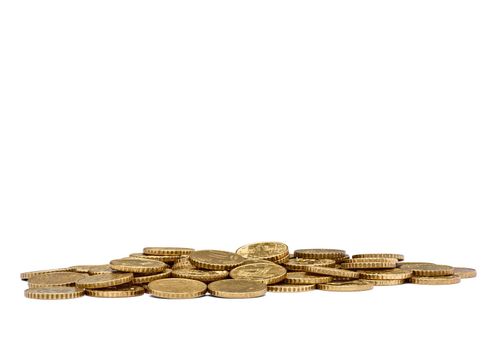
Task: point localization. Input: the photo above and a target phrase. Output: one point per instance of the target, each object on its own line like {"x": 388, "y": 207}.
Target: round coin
{"x": 261, "y": 272}
{"x": 300, "y": 277}
{"x": 264, "y": 250}
{"x": 215, "y": 259}
{"x": 162, "y": 258}
{"x": 55, "y": 279}
{"x": 100, "y": 269}
{"x": 399, "y": 257}
{"x": 116, "y": 292}
{"x": 346, "y": 286}
{"x": 465, "y": 272}
{"x": 82, "y": 268}
{"x": 104, "y": 280}
{"x": 177, "y": 288}
{"x": 167, "y": 251}
{"x": 290, "y": 288}
{"x": 237, "y": 289}
{"x": 432, "y": 270}
{"x": 138, "y": 265}
{"x": 26, "y": 275}
{"x": 368, "y": 265}
{"x": 200, "y": 275}
{"x": 141, "y": 279}
{"x": 320, "y": 253}
{"x": 297, "y": 264}
{"x": 385, "y": 282}
{"x": 438, "y": 280}
{"x": 392, "y": 274}
{"x": 53, "y": 293}
{"x": 331, "y": 271}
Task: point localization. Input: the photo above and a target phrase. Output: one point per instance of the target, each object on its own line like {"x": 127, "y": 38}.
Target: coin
{"x": 255, "y": 261}
{"x": 264, "y": 250}
{"x": 392, "y": 274}
{"x": 105, "y": 280}
{"x": 331, "y": 271}
{"x": 101, "y": 269}
{"x": 161, "y": 258}
{"x": 183, "y": 263}
{"x": 437, "y": 280}
{"x": 177, "y": 288}
{"x": 116, "y": 292}
{"x": 383, "y": 260}
{"x": 138, "y": 265}
{"x": 140, "y": 279}
{"x": 26, "y": 275}
{"x": 167, "y": 251}
{"x": 237, "y": 289}
{"x": 346, "y": 286}
{"x": 385, "y": 282}
{"x": 261, "y": 272}
{"x": 319, "y": 253}
{"x": 200, "y": 275}
{"x": 290, "y": 288}
{"x": 432, "y": 270}
{"x": 297, "y": 264}
{"x": 53, "y": 293}
{"x": 465, "y": 272}
{"x": 399, "y": 257}
{"x": 82, "y": 268}
{"x": 55, "y": 279}
{"x": 300, "y": 277}
{"x": 368, "y": 265}
{"x": 215, "y": 259}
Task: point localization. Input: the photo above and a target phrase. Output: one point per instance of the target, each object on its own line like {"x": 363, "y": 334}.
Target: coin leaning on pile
{"x": 250, "y": 272}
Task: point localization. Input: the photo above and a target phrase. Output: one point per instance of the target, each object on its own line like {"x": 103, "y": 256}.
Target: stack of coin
{"x": 251, "y": 271}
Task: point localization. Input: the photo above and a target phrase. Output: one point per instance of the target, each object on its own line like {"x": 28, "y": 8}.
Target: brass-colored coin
{"x": 201, "y": 275}
{"x": 297, "y": 264}
{"x": 465, "y": 272}
{"x": 237, "y": 289}
{"x": 331, "y": 271}
{"x": 177, "y": 288}
{"x": 167, "y": 251}
{"x": 432, "y": 270}
{"x": 183, "y": 263}
{"x": 283, "y": 260}
{"x": 376, "y": 260}
{"x": 319, "y": 253}
{"x": 257, "y": 261}
{"x": 290, "y": 288}
{"x": 101, "y": 269}
{"x": 300, "y": 277}
{"x": 392, "y": 274}
{"x": 261, "y": 272}
{"x": 161, "y": 258}
{"x": 409, "y": 266}
{"x": 215, "y": 259}
{"x": 399, "y": 257}
{"x": 346, "y": 286}
{"x": 55, "y": 279}
{"x": 385, "y": 282}
{"x": 116, "y": 292}
{"x": 438, "y": 280}
{"x": 82, "y": 268}
{"x": 26, "y": 275}
{"x": 138, "y": 265}
{"x": 53, "y": 293}
{"x": 264, "y": 250}
{"x": 369, "y": 265}
{"x": 105, "y": 280}
{"x": 141, "y": 279}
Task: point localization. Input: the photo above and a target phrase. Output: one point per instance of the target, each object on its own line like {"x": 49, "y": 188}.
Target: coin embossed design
{"x": 264, "y": 250}
{"x": 215, "y": 259}
{"x": 177, "y": 288}
{"x": 105, "y": 280}
{"x": 53, "y": 293}
{"x": 235, "y": 289}
{"x": 138, "y": 265}
{"x": 55, "y": 279}
{"x": 261, "y": 272}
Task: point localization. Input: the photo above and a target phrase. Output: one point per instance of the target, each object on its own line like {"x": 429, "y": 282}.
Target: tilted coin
{"x": 105, "y": 280}
{"x": 167, "y": 251}
{"x": 465, "y": 272}
{"x": 201, "y": 275}
{"x": 346, "y": 286}
{"x": 432, "y": 270}
{"x": 261, "y": 272}
{"x": 237, "y": 289}
{"x": 215, "y": 259}
{"x": 399, "y": 257}
{"x": 438, "y": 280}
{"x": 283, "y": 260}
{"x": 140, "y": 279}
{"x": 319, "y": 253}
{"x": 26, "y": 275}
{"x": 55, "y": 279}
{"x": 82, "y": 268}
{"x": 368, "y": 265}
{"x": 392, "y": 274}
{"x": 116, "y": 292}
{"x": 177, "y": 288}
{"x": 183, "y": 263}
{"x": 138, "y": 265}
{"x": 300, "y": 277}
{"x": 53, "y": 293}
{"x": 297, "y": 264}
{"x": 290, "y": 288}
{"x": 385, "y": 282}
{"x": 162, "y": 258}
{"x": 377, "y": 260}
{"x": 264, "y": 250}
{"x": 101, "y": 269}
{"x": 331, "y": 271}
{"x": 412, "y": 265}
{"x": 255, "y": 261}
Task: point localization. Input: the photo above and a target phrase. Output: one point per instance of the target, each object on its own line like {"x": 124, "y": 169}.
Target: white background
{"x": 360, "y": 125}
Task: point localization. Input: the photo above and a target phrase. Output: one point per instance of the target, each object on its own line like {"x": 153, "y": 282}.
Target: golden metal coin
{"x": 331, "y": 271}
{"x": 290, "y": 288}
{"x": 297, "y": 264}
{"x": 162, "y": 258}
{"x": 320, "y": 253}
{"x": 399, "y": 257}
{"x": 346, "y": 286}
{"x": 369, "y": 265}
{"x": 116, "y": 292}
{"x": 257, "y": 261}
{"x": 432, "y": 270}
{"x": 177, "y": 288}
{"x": 138, "y": 265}
{"x": 383, "y": 260}
{"x": 53, "y": 293}
{"x": 215, "y": 259}
{"x": 55, "y": 279}
{"x": 465, "y": 272}
{"x": 392, "y": 274}
{"x": 26, "y": 275}
{"x": 183, "y": 263}
{"x": 237, "y": 289}
{"x": 101, "y": 269}
{"x": 167, "y": 251}
{"x": 82, "y": 268}
{"x": 283, "y": 260}
{"x": 438, "y": 280}
{"x": 385, "y": 282}
{"x": 300, "y": 277}
{"x": 264, "y": 250}
{"x": 261, "y": 272}
{"x": 200, "y": 275}
{"x": 105, "y": 280}
{"x": 141, "y": 279}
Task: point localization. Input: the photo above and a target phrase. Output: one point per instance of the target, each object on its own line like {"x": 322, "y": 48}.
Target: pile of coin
{"x": 254, "y": 269}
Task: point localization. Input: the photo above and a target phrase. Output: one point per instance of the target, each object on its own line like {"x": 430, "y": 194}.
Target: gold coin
{"x": 385, "y": 282}
{"x": 392, "y": 274}
{"x": 237, "y": 289}
{"x": 105, "y": 280}
{"x": 116, "y": 292}
{"x": 346, "y": 286}
{"x": 297, "y": 264}
{"x": 201, "y": 275}
{"x": 319, "y": 253}
{"x": 300, "y": 277}
{"x": 399, "y": 257}
{"x": 438, "y": 280}
{"x": 26, "y": 275}
{"x": 261, "y": 272}
{"x": 290, "y": 288}
{"x": 369, "y": 265}
{"x": 283, "y": 260}
{"x": 82, "y": 268}
{"x": 161, "y": 258}
{"x": 465, "y": 272}
{"x": 257, "y": 261}
{"x": 140, "y": 279}
{"x": 432, "y": 270}
{"x": 382, "y": 260}
{"x": 167, "y": 251}
{"x": 177, "y": 288}
{"x": 183, "y": 263}
{"x": 55, "y": 279}
{"x": 138, "y": 265}
{"x": 53, "y": 293}
{"x": 215, "y": 259}
{"x": 264, "y": 250}
{"x": 101, "y": 269}
{"x": 331, "y": 271}
{"x": 409, "y": 264}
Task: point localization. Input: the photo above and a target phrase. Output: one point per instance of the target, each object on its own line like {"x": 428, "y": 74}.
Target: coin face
{"x": 167, "y": 251}
{"x": 215, "y": 259}
{"x": 177, "y": 288}
{"x": 345, "y": 286}
{"x": 320, "y": 253}
{"x": 138, "y": 265}
{"x": 237, "y": 289}
{"x": 116, "y": 292}
{"x": 105, "y": 280}
{"x": 264, "y": 250}
{"x": 54, "y": 279}
{"x": 261, "y": 272}
{"x": 201, "y": 275}
{"x": 53, "y": 293}
{"x": 465, "y": 272}
{"x": 297, "y": 264}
